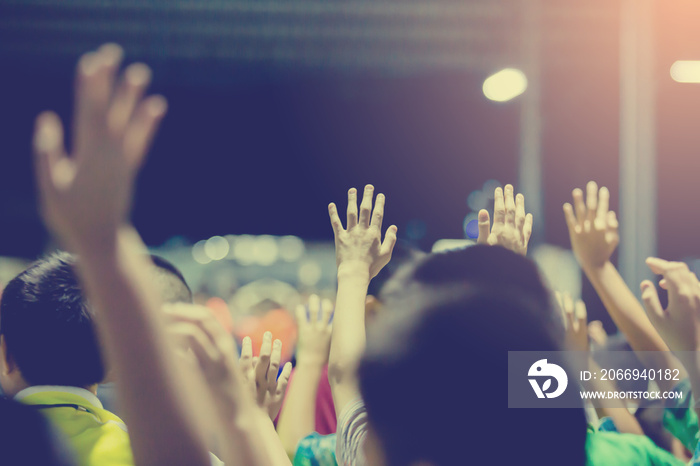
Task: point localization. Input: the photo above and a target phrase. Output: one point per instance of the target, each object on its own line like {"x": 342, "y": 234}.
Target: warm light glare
{"x": 686, "y": 71}
{"x": 505, "y": 85}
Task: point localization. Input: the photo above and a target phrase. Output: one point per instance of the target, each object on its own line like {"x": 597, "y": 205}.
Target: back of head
{"x": 434, "y": 376}
{"x": 170, "y": 282}
{"x": 48, "y": 326}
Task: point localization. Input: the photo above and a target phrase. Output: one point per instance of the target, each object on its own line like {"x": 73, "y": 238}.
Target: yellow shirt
{"x": 97, "y": 436}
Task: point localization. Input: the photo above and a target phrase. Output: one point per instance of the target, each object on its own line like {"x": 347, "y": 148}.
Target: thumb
{"x": 652, "y": 305}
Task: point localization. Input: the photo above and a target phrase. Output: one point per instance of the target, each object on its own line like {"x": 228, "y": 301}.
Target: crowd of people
{"x": 414, "y": 376}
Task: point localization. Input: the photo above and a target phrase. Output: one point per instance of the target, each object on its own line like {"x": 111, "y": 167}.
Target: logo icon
{"x": 543, "y": 369}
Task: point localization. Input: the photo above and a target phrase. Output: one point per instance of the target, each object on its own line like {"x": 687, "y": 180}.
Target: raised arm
{"x": 298, "y": 413}
{"x": 85, "y": 201}
{"x": 679, "y": 323}
{"x": 594, "y": 237}
{"x": 360, "y": 255}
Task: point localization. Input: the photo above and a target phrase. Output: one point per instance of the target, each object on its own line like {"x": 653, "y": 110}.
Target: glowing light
{"x": 686, "y": 71}
{"x": 443, "y": 245}
{"x": 310, "y": 273}
{"x": 291, "y": 248}
{"x": 198, "y": 253}
{"x": 216, "y": 248}
{"x": 265, "y": 250}
{"x": 472, "y": 229}
{"x": 243, "y": 249}
{"x": 505, "y": 85}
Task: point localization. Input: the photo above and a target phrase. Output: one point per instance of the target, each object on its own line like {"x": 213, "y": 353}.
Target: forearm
{"x": 298, "y": 414}
{"x": 161, "y": 424}
{"x": 348, "y": 339}
{"x": 630, "y": 317}
{"x": 616, "y": 409}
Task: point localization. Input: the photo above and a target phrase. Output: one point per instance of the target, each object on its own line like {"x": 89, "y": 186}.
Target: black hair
{"x": 48, "y": 325}
{"x": 27, "y": 438}
{"x": 434, "y": 375}
{"x": 170, "y": 281}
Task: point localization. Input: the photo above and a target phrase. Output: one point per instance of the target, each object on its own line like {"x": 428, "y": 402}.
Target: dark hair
{"x": 27, "y": 438}
{"x": 434, "y": 375}
{"x": 48, "y": 325}
{"x": 172, "y": 285}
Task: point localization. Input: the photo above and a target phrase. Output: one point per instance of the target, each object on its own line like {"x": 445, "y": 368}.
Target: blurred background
{"x": 278, "y": 107}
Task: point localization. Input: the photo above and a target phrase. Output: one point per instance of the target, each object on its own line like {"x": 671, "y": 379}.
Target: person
{"x": 51, "y": 358}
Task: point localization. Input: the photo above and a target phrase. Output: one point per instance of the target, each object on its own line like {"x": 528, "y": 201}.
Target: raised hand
{"x": 575, "y": 322}
{"x": 592, "y": 227}
{"x": 86, "y": 195}
{"x": 511, "y": 227}
{"x": 360, "y": 242}
{"x": 679, "y": 323}
{"x": 315, "y": 328}
{"x": 260, "y": 373}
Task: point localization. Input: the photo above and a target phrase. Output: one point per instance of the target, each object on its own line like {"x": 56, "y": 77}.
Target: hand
{"x": 314, "y": 341}
{"x": 511, "y": 227}
{"x": 597, "y": 333}
{"x": 679, "y": 323}
{"x": 575, "y": 324}
{"x": 214, "y": 350}
{"x": 86, "y": 196}
{"x": 361, "y": 243}
{"x": 593, "y": 228}
{"x": 260, "y": 373}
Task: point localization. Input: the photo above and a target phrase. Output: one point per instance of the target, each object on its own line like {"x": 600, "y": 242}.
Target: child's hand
{"x": 361, "y": 243}
{"x": 86, "y": 196}
{"x": 511, "y": 227}
{"x": 575, "y": 324}
{"x": 679, "y": 323}
{"x": 260, "y": 373}
{"x": 314, "y": 340}
{"x": 593, "y": 228}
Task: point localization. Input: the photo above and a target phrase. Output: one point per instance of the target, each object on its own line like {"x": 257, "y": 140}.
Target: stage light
{"x": 216, "y": 248}
{"x": 198, "y": 253}
{"x": 505, "y": 85}
{"x": 686, "y": 71}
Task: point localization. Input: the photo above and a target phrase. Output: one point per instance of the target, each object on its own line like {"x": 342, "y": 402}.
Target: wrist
{"x": 353, "y": 269}
{"x": 310, "y": 363}
{"x": 591, "y": 269}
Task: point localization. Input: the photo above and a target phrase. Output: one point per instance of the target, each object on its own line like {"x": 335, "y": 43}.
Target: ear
{"x": 7, "y": 364}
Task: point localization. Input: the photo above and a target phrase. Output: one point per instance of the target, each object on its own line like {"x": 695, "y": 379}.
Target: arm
{"x": 594, "y": 237}
{"x": 360, "y": 255}
{"x": 574, "y": 316}
{"x": 85, "y": 200}
{"x": 679, "y": 323}
{"x": 298, "y": 413}
{"x": 247, "y": 435}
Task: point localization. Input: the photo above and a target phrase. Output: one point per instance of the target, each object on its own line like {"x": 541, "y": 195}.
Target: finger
{"x": 378, "y": 213}
{"x": 499, "y": 207}
{"x": 93, "y": 88}
{"x": 569, "y": 310}
{"x": 581, "y": 315}
{"x": 591, "y": 200}
{"x": 519, "y": 211}
{"x": 131, "y": 87}
{"x": 246, "y": 360}
{"x": 263, "y": 361}
{"x": 327, "y": 310}
{"x": 366, "y": 205}
{"x": 389, "y": 242}
{"x": 273, "y": 370}
{"x": 663, "y": 284}
{"x": 527, "y": 229}
{"x": 571, "y": 221}
{"x": 202, "y": 347}
{"x": 652, "y": 305}
{"x": 352, "y": 208}
{"x": 559, "y": 299}
{"x": 612, "y": 220}
{"x": 484, "y": 227}
{"x": 314, "y": 308}
{"x": 142, "y": 129}
{"x": 658, "y": 266}
{"x": 510, "y": 206}
{"x": 283, "y": 379}
{"x": 48, "y": 151}
{"x": 579, "y": 206}
{"x": 603, "y": 205}
{"x": 335, "y": 219}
